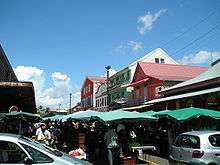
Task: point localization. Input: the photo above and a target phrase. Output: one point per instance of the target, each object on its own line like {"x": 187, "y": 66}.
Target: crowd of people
{"x": 106, "y": 141}
{"x": 101, "y": 140}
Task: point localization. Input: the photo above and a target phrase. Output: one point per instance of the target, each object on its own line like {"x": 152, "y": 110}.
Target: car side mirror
{"x": 28, "y": 161}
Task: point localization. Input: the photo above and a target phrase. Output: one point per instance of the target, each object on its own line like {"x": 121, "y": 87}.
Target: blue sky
{"x": 58, "y": 43}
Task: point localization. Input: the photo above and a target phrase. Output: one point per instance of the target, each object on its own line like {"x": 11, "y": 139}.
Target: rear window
{"x": 188, "y": 141}
{"x": 215, "y": 140}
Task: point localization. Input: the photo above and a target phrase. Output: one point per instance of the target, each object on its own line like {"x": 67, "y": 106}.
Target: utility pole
{"x": 108, "y": 96}
{"x": 70, "y": 100}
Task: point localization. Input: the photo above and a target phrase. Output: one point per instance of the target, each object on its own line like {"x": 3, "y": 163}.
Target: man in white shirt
{"x": 43, "y": 135}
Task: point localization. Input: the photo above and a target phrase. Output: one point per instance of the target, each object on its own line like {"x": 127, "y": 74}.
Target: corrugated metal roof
{"x": 191, "y": 94}
{"x": 171, "y": 71}
{"x": 212, "y": 73}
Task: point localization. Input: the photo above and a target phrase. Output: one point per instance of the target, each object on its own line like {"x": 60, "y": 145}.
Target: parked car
{"x": 197, "y": 147}
{"x": 16, "y": 149}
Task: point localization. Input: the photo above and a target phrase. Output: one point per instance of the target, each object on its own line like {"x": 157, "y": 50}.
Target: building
{"x": 12, "y": 91}
{"x": 151, "y": 78}
{"x": 101, "y": 98}
{"x": 88, "y": 90}
{"x": 120, "y": 91}
{"x": 202, "y": 91}
{"x": 6, "y": 72}
{"x": 76, "y": 108}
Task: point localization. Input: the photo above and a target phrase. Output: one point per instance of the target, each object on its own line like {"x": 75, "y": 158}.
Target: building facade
{"x": 120, "y": 90}
{"x": 13, "y": 92}
{"x": 101, "y": 98}
{"x": 88, "y": 90}
{"x": 202, "y": 91}
{"x": 151, "y": 78}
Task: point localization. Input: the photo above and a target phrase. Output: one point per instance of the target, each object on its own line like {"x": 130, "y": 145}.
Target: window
{"x": 97, "y": 103}
{"x": 137, "y": 94}
{"x": 162, "y": 61}
{"x": 11, "y": 153}
{"x": 145, "y": 93}
{"x": 157, "y": 60}
{"x": 188, "y": 141}
{"x": 128, "y": 76}
{"x": 102, "y": 101}
{"x": 215, "y": 140}
{"x": 37, "y": 156}
{"x": 105, "y": 101}
{"x": 87, "y": 88}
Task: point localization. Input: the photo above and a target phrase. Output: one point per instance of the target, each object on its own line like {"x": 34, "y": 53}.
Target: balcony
{"x": 135, "y": 102}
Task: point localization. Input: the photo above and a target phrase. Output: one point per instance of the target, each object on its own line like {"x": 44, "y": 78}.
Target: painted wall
{"x": 87, "y": 93}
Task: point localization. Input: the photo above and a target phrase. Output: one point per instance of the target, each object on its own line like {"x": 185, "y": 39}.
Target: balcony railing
{"x": 135, "y": 102}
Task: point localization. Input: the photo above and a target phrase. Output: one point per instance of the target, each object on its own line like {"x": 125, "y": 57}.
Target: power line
{"x": 189, "y": 29}
{"x": 197, "y": 39}
{"x": 210, "y": 38}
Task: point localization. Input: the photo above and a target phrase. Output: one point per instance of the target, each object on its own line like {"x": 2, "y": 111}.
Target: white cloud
{"x": 57, "y": 93}
{"x": 146, "y": 21}
{"x": 129, "y": 47}
{"x": 202, "y": 57}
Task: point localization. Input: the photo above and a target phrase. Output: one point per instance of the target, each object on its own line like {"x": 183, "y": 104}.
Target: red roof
{"x": 97, "y": 78}
{"x": 171, "y": 72}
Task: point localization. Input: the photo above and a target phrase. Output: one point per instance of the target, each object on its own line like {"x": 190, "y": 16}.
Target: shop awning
{"x": 139, "y": 82}
{"x": 120, "y": 115}
{"x": 81, "y": 115}
{"x": 191, "y": 94}
{"x": 188, "y": 113}
{"x": 22, "y": 115}
{"x": 136, "y": 107}
{"x": 54, "y": 118}
{"x": 154, "y": 113}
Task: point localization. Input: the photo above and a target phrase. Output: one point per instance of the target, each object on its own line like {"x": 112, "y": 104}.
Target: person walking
{"x": 113, "y": 149}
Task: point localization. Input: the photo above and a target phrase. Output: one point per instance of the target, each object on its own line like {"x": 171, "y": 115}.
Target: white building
{"x": 101, "y": 98}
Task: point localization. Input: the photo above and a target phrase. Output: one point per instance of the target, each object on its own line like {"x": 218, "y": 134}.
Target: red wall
{"x": 152, "y": 84}
{"x": 83, "y": 96}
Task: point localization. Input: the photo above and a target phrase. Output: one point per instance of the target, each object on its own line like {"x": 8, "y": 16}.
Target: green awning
{"x": 154, "y": 113}
{"x": 188, "y": 113}
{"x": 23, "y": 115}
{"x": 53, "y": 118}
{"x": 120, "y": 115}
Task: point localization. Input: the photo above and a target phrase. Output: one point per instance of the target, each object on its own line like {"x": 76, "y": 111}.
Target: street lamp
{"x": 108, "y": 96}
{"x": 70, "y": 100}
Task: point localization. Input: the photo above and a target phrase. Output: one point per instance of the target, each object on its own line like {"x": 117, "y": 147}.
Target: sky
{"x": 56, "y": 44}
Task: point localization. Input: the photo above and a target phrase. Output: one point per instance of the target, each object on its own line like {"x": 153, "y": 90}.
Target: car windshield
{"x": 41, "y": 146}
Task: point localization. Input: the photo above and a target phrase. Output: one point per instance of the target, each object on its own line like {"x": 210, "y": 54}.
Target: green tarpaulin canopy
{"x": 53, "y": 118}
{"x": 154, "y": 113}
{"x": 120, "y": 115}
{"x": 22, "y": 115}
{"x": 81, "y": 115}
{"x": 189, "y": 113}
